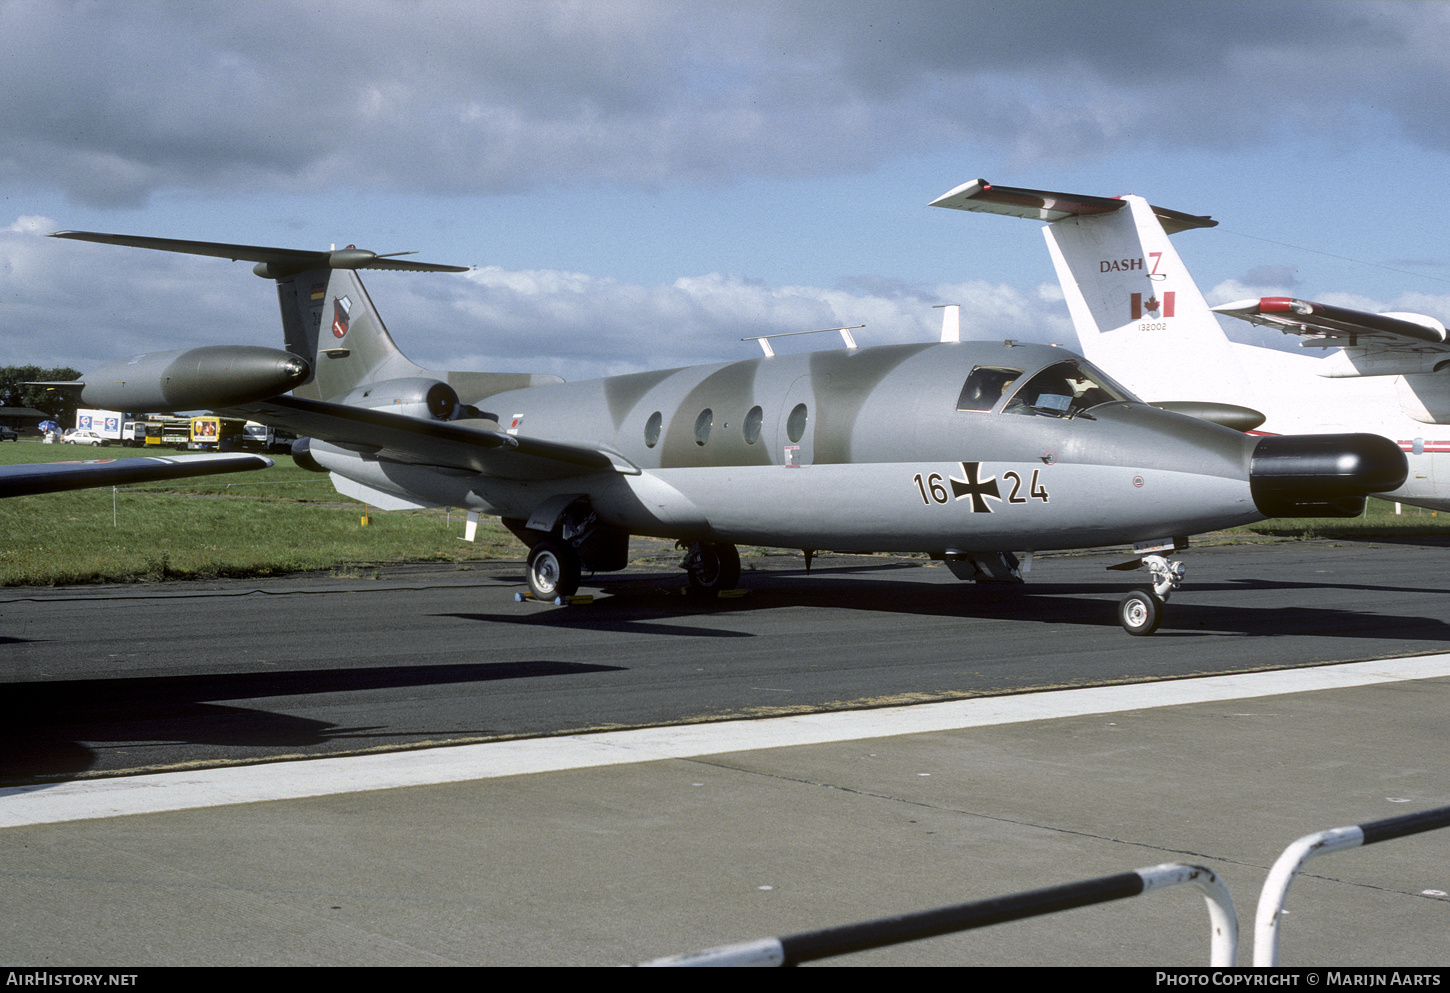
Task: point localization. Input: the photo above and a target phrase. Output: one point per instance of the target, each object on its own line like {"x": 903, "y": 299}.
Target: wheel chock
{"x": 558, "y": 601}
{"x": 718, "y": 594}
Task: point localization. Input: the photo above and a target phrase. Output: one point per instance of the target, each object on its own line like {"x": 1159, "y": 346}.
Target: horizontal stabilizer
{"x": 1320, "y": 320}
{"x": 278, "y": 261}
{"x": 1045, "y": 205}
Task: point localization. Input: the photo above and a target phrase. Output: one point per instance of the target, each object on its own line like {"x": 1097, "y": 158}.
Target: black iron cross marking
{"x": 978, "y": 491}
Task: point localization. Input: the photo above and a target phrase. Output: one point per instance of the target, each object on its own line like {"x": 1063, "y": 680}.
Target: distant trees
{"x": 56, "y": 403}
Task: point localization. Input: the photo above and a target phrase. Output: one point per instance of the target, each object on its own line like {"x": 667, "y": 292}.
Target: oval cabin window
{"x": 795, "y": 425}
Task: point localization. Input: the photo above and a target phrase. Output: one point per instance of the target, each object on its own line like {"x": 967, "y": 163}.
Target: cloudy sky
{"x": 644, "y": 183}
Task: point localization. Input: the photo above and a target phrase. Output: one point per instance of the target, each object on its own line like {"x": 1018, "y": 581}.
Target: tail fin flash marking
{"x": 359, "y": 348}
{"x": 340, "y": 307}
{"x": 1152, "y": 305}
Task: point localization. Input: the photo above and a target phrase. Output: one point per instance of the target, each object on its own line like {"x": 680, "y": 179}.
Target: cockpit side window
{"x": 985, "y": 386}
{"x": 1064, "y": 389}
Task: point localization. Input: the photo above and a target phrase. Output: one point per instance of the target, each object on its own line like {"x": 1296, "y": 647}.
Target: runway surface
{"x": 105, "y": 680}
{"x": 675, "y": 838}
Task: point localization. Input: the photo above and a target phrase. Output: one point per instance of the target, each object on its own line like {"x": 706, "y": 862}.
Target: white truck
{"x": 262, "y": 438}
{"x": 112, "y": 425}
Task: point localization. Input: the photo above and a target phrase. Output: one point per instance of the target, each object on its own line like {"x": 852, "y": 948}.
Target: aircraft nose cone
{"x": 1323, "y": 475}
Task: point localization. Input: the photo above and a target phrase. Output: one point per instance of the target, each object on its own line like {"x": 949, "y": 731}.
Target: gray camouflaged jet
{"x": 972, "y": 452}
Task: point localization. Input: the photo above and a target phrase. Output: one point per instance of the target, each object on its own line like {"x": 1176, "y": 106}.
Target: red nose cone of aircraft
{"x": 1323, "y": 475}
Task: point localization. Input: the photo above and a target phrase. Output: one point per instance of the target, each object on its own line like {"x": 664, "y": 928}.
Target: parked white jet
{"x": 1139, "y": 316}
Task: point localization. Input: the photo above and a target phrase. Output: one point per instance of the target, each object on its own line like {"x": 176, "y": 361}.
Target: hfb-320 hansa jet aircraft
{"x": 968, "y": 451}
{"x": 1140, "y": 316}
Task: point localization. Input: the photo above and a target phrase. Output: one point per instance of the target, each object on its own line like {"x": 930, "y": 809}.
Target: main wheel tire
{"x": 553, "y": 570}
{"x": 1140, "y": 612}
{"x": 714, "y": 567}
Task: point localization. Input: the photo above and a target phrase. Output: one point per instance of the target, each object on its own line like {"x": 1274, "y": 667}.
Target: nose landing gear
{"x": 1141, "y": 610}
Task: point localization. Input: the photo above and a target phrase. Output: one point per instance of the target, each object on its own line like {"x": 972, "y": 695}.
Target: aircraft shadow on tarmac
{"x": 56, "y": 730}
{"x": 656, "y": 605}
{"x": 48, "y": 723}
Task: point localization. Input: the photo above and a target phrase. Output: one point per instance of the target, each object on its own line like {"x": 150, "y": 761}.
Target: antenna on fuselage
{"x": 951, "y": 321}
{"x": 764, "y": 339}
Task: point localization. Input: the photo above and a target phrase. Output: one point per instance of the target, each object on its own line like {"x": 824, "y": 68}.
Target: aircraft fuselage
{"x": 861, "y": 449}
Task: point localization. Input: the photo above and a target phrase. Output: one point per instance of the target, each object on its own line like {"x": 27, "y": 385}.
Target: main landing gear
{"x": 564, "y": 543}
{"x": 553, "y": 570}
{"x": 711, "y": 567}
{"x": 1141, "y": 610}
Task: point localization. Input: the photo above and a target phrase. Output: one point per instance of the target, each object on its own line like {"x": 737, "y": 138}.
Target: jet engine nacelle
{"x": 302, "y": 455}
{"x": 426, "y": 399}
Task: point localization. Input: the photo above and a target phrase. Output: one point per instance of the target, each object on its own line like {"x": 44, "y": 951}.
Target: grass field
{"x": 286, "y": 519}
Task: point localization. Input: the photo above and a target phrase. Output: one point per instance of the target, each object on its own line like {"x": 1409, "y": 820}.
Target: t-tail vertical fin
{"x": 1136, "y": 309}
{"x": 329, "y": 319}
{"x": 327, "y": 316}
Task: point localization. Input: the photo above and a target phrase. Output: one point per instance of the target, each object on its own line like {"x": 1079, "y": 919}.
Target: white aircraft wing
{"x": 1340, "y": 325}
{"x": 396, "y": 438}
{"x": 51, "y": 477}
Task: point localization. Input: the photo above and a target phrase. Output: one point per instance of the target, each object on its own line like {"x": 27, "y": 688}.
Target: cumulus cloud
{"x": 76, "y": 303}
{"x": 112, "y": 102}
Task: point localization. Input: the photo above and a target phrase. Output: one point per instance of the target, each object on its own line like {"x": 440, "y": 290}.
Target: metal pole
{"x": 829, "y": 942}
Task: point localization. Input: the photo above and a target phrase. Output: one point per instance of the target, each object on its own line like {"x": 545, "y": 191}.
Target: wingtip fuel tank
{"x": 209, "y": 377}
{"x": 1323, "y": 475}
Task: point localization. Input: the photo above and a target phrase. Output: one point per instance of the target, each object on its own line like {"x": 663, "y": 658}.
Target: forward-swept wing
{"x": 52, "y": 477}
{"x": 445, "y": 444}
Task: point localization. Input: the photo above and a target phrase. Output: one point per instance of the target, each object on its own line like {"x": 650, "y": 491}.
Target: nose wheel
{"x": 1141, "y": 611}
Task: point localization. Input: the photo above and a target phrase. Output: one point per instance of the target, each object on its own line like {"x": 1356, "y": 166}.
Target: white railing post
{"x": 1276, "y": 887}
{"x": 1223, "y": 947}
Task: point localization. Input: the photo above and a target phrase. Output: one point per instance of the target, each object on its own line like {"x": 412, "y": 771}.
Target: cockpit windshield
{"x": 1065, "y": 389}
{"x": 985, "y": 386}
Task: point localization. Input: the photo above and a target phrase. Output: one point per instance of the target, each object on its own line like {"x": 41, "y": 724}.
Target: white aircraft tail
{"x": 1138, "y": 313}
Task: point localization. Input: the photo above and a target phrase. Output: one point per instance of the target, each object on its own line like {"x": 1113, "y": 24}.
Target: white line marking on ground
{"x": 88, "y": 799}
